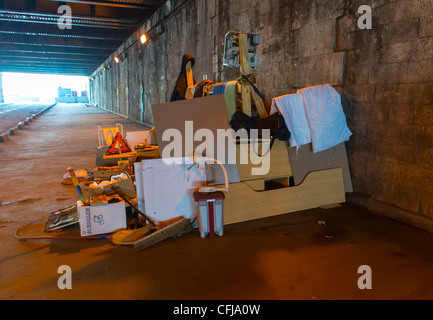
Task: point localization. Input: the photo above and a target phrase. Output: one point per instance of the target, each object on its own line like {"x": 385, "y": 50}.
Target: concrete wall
{"x": 384, "y": 74}
{"x": 2, "y": 100}
{"x": 389, "y": 82}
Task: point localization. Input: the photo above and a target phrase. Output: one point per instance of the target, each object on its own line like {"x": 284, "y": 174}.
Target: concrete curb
{"x": 4, "y": 137}
{"x": 13, "y": 131}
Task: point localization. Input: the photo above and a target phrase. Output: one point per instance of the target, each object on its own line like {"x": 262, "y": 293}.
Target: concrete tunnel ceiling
{"x": 32, "y": 42}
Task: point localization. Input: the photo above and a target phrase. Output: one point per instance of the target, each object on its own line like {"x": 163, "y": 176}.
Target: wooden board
{"x": 304, "y": 161}
{"x": 256, "y": 185}
{"x": 205, "y": 113}
{"x": 319, "y": 188}
{"x": 279, "y": 163}
{"x": 149, "y": 153}
{"x": 246, "y": 100}
{"x": 161, "y": 235}
{"x": 120, "y": 155}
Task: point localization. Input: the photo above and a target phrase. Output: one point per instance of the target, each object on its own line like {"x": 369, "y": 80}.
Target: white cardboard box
{"x": 98, "y": 220}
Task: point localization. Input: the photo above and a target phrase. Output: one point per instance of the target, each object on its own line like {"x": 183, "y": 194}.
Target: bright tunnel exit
{"x": 44, "y": 88}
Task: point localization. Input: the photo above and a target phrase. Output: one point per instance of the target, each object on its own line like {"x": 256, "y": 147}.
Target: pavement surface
{"x": 12, "y": 114}
{"x": 310, "y": 255}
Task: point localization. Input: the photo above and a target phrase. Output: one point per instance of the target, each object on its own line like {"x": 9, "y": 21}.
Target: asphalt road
{"x": 12, "y": 114}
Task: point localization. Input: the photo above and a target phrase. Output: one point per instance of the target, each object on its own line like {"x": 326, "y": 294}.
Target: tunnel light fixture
{"x": 143, "y": 38}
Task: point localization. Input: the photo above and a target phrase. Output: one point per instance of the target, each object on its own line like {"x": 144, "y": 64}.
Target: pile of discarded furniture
{"x": 152, "y": 185}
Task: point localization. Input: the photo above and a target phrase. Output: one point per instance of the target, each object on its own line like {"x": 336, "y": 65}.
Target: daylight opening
{"x": 44, "y": 88}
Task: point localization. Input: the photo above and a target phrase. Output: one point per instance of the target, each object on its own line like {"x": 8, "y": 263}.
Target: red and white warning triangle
{"x": 118, "y": 146}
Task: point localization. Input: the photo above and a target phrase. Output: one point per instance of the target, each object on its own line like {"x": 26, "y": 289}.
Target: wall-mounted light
{"x": 116, "y": 59}
{"x": 143, "y": 38}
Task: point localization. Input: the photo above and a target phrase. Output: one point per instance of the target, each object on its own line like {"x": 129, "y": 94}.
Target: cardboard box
{"x": 108, "y": 172}
{"x": 98, "y": 220}
{"x": 126, "y": 186}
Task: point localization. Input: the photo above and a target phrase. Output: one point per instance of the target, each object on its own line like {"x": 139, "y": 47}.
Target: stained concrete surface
{"x": 289, "y": 257}
{"x": 12, "y": 114}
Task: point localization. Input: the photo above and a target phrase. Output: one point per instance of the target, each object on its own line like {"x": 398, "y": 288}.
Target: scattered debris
{"x": 62, "y": 219}
{"x": 99, "y": 205}
{"x": 122, "y": 181}
{"x": 18, "y": 202}
{"x": 129, "y": 237}
{"x": 82, "y": 175}
{"x": 162, "y": 234}
{"x": 76, "y": 184}
{"x": 113, "y": 201}
{"x": 107, "y": 172}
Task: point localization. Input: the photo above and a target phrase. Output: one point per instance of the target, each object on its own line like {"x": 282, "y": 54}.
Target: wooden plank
{"x": 248, "y": 92}
{"x": 149, "y": 153}
{"x": 121, "y": 155}
{"x": 246, "y": 100}
{"x": 319, "y": 188}
{"x": 161, "y": 235}
{"x": 245, "y": 68}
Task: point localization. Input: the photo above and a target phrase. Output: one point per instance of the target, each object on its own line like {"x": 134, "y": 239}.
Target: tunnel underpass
{"x": 352, "y": 220}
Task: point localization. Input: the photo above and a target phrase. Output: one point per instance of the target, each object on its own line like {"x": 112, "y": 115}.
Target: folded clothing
{"x": 325, "y": 116}
{"x": 314, "y": 115}
{"x": 291, "y": 107}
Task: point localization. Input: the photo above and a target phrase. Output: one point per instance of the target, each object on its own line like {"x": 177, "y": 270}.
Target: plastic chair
{"x": 106, "y": 135}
